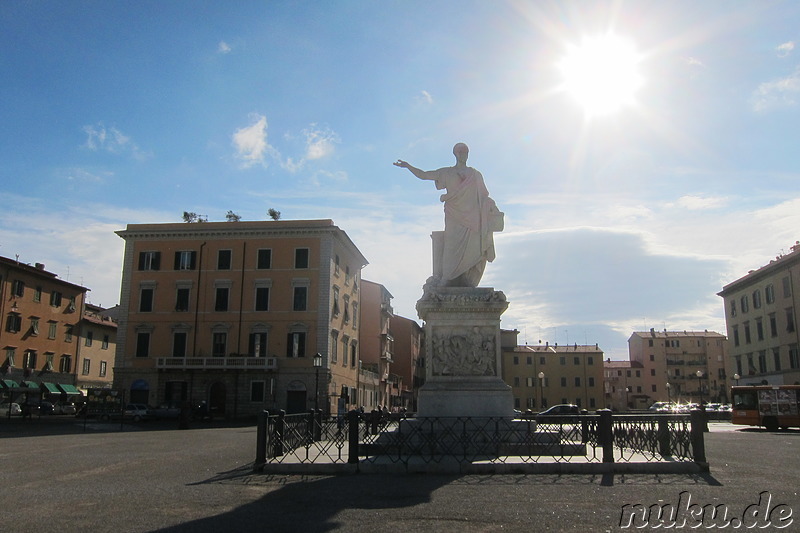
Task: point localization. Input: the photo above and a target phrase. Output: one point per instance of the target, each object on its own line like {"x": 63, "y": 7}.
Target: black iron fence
{"x": 359, "y": 437}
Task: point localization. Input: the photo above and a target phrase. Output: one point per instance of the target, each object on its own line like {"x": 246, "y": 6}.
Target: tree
{"x": 274, "y": 214}
{"x": 193, "y": 217}
{"x": 232, "y": 217}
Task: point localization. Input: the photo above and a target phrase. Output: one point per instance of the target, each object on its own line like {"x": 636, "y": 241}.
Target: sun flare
{"x": 602, "y": 74}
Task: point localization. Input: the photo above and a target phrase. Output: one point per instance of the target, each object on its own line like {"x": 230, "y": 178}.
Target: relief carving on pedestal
{"x": 460, "y": 351}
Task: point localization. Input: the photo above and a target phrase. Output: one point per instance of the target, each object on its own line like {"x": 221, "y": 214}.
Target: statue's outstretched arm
{"x": 421, "y": 174}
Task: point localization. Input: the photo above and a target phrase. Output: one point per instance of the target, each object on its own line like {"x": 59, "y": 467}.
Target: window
{"x": 530, "y": 382}
{"x": 52, "y": 329}
{"x": 18, "y": 288}
{"x": 591, "y": 382}
{"x": 776, "y": 358}
{"x": 221, "y": 299}
{"x": 87, "y": 365}
{"x": 143, "y": 344}
{"x": 65, "y": 364}
{"x": 516, "y": 381}
{"x": 262, "y": 298}
{"x": 355, "y": 315}
{"x": 37, "y": 294}
{"x": 104, "y": 345}
{"x": 773, "y": 325}
{"x": 179, "y": 339}
{"x": 769, "y": 294}
{"x": 55, "y": 299}
{"x": 89, "y": 338}
{"x": 652, "y": 371}
{"x": 219, "y": 344}
{"x": 34, "y": 329}
{"x": 516, "y": 360}
{"x": 787, "y": 287}
{"x": 68, "y": 332}
{"x": 185, "y": 260}
{"x": 757, "y": 299}
{"x": 736, "y": 335}
{"x": 745, "y": 303}
{"x": 182, "y": 299}
{"x": 264, "y": 259}
{"x": 334, "y": 346}
{"x": 13, "y": 323}
{"x": 563, "y": 382}
{"x": 577, "y": 382}
{"x": 562, "y": 360}
{"x": 762, "y": 362}
{"x": 353, "y": 355}
{"x": 335, "y": 301}
{"x": 759, "y": 329}
{"x": 747, "y": 338}
{"x": 650, "y": 343}
{"x": 257, "y": 391}
{"x": 542, "y": 360}
{"x": 146, "y": 300}
{"x": 103, "y": 368}
{"x": 576, "y": 361}
{"x": 733, "y": 308}
{"x": 336, "y": 264}
{"x": 346, "y": 317}
{"x": 301, "y": 258}
{"x": 529, "y": 360}
{"x": 794, "y": 358}
{"x": 224, "y": 260}
{"x": 789, "y": 319}
{"x": 257, "y": 345}
{"x": 149, "y": 260}
{"x": 653, "y": 387}
{"x": 299, "y": 300}
{"x": 296, "y": 344}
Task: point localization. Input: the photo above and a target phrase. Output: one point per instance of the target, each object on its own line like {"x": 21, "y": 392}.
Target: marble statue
{"x": 470, "y": 218}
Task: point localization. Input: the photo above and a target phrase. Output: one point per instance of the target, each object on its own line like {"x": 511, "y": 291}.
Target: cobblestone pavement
{"x": 153, "y": 477}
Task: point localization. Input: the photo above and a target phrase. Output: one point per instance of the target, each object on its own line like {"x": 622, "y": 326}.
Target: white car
{"x": 137, "y": 412}
{"x": 10, "y": 408}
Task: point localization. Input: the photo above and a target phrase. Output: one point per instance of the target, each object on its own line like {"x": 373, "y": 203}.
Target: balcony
{"x": 217, "y": 363}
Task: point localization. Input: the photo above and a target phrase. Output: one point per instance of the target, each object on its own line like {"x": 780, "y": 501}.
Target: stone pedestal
{"x": 463, "y": 353}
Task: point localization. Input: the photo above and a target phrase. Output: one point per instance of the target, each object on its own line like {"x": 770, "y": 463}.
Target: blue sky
{"x": 133, "y": 112}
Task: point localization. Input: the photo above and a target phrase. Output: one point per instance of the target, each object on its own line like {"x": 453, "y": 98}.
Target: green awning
{"x": 29, "y": 385}
{"x": 51, "y": 388}
{"x": 9, "y": 384}
{"x": 69, "y": 389}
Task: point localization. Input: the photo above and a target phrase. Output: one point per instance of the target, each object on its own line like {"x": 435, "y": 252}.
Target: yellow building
{"x": 96, "y": 349}
{"x": 544, "y": 375}
{"x": 761, "y": 316}
{"x": 233, "y": 313}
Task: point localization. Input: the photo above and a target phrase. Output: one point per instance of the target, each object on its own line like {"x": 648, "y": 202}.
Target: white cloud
{"x": 785, "y": 49}
{"x": 112, "y": 140}
{"x": 223, "y": 48}
{"x": 424, "y": 97}
{"x": 776, "y": 94}
{"x": 701, "y": 202}
{"x": 251, "y": 142}
{"x": 320, "y": 142}
{"x": 694, "y": 62}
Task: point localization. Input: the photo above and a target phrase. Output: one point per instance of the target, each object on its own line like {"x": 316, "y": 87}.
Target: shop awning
{"x": 69, "y": 389}
{"x": 51, "y": 388}
{"x": 30, "y": 385}
{"x": 8, "y": 384}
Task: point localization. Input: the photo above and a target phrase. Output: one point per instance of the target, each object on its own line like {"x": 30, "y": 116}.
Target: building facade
{"x": 40, "y": 334}
{"x": 408, "y": 337}
{"x": 624, "y": 389}
{"x": 97, "y": 346}
{"x": 377, "y": 341}
{"x": 681, "y": 366}
{"x": 233, "y": 314}
{"x": 761, "y": 319}
{"x": 544, "y": 375}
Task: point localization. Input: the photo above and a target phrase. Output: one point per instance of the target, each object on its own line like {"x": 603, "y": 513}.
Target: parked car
{"x": 165, "y": 411}
{"x": 13, "y": 408}
{"x": 46, "y": 408}
{"x": 561, "y": 409}
{"x": 137, "y": 412}
{"x": 64, "y": 408}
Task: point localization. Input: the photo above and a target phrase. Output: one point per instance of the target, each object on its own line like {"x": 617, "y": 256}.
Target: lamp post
{"x": 669, "y": 395}
{"x": 699, "y": 375}
{"x": 317, "y": 365}
{"x": 541, "y": 389}
{"x": 736, "y": 378}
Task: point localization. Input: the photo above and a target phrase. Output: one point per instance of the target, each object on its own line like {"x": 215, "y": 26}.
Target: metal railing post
{"x": 605, "y": 434}
{"x": 663, "y": 436}
{"x": 352, "y": 434}
{"x": 698, "y": 440}
{"x": 318, "y": 425}
{"x": 261, "y": 441}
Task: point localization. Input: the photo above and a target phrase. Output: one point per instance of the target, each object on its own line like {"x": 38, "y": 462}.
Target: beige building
{"x": 377, "y": 341}
{"x": 408, "y": 362}
{"x": 761, "y": 318}
{"x": 39, "y": 337}
{"x": 676, "y": 358}
{"x": 544, "y": 375}
{"x": 233, "y": 313}
{"x": 96, "y": 349}
{"x": 623, "y": 385}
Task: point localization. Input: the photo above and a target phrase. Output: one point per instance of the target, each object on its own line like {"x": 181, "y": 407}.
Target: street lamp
{"x": 699, "y": 375}
{"x": 669, "y": 397}
{"x": 317, "y": 366}
{"x": 541, "y": 388}
{"x": 736, "y": 378}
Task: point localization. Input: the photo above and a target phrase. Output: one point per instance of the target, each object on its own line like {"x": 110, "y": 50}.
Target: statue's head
{"x": 460, "y": 149}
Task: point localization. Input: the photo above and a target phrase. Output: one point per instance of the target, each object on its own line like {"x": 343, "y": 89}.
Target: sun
{"x": 602, "y": 74}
